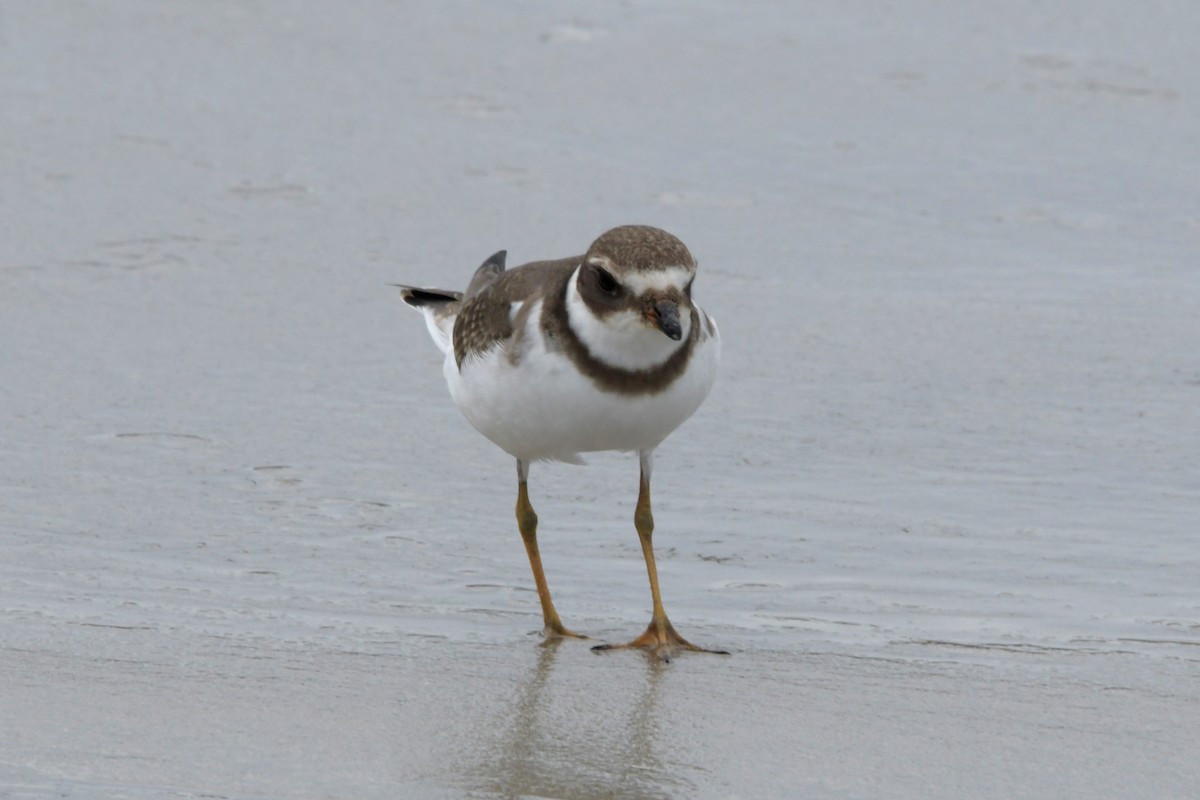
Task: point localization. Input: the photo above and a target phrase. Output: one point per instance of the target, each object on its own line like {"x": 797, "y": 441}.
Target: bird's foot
{"x": 554, "y": 631}
{"x": 661, "y": 641}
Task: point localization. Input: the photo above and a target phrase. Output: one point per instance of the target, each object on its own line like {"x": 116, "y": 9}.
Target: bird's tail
{"x": 439, "y": 307}
{"x": 435, "y": 299}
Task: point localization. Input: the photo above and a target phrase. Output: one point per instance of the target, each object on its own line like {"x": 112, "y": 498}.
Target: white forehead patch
{"x": 658, "y": 280}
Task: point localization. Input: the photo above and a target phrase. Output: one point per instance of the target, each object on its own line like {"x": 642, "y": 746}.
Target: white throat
{"x": 622, "y": 339}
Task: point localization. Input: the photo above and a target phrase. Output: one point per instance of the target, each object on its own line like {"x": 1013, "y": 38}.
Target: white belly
{"x": 543, "y": 408}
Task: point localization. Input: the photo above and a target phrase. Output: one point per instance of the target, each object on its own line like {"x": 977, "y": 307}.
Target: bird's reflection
{"x": 590, "y": 730}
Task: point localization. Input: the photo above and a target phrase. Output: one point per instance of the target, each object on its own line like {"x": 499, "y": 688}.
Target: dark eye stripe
{"x": 606, "y": 281}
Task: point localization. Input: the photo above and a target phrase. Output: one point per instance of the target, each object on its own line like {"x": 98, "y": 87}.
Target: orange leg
{"x": 527, "y": 523}
{"x": 660, "y": 637}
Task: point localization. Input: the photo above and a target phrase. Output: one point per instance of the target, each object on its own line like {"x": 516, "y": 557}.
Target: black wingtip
{"x": 497, "y": 260}
{"x": 487, "y": 272}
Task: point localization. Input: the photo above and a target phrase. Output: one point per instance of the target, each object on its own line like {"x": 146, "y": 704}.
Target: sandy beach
{"x": 941, "y": 506}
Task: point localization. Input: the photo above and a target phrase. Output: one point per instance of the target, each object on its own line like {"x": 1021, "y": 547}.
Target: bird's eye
{"x": 606, "y": 282}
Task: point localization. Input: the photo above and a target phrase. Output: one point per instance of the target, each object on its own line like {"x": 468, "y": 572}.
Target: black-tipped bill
{"x": 666, "y": 317}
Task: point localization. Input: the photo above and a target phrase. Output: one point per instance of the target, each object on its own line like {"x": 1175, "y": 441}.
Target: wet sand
{"x": 224, "y": 717}
{"x": 941, "y": 506}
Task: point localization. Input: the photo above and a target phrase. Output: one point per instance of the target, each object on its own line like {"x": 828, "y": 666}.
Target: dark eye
{"x": 606, "y": 282}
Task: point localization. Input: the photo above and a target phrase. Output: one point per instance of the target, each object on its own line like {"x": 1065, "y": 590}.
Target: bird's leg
{"x": 527, "y": 523}
{"x": 660, "y": 637}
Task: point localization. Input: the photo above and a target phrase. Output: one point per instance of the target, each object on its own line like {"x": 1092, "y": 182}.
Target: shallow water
{"x": 941, "y": 505}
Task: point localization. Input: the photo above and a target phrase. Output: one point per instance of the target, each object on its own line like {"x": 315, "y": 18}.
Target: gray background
{"x": 941, "y": 505}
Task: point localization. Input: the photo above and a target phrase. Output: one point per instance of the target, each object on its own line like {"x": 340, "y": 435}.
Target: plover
{"x": 552, "y": 359}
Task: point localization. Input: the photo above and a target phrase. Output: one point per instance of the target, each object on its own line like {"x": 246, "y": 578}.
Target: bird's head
{"x": 636, "y": 284}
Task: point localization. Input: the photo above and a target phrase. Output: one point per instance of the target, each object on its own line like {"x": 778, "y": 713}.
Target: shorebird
{"x": 552, "y": 359}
